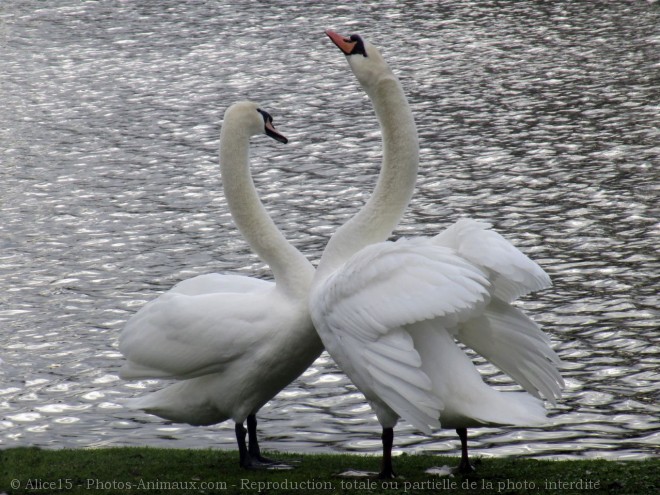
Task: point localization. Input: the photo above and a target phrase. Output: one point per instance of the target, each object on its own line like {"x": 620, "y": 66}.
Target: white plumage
{"x": 232, "y": 342}
{"x": 391, "y": 313}
{"x": 393, "y": 303}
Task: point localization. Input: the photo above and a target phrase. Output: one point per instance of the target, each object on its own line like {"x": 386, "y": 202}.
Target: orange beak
{"x": 345, "y": 45}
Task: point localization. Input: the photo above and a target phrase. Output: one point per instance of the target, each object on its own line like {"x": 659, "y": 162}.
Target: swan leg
{"x": 464, "y": 467}
{"x": 247, "y": 461}
{"x": 250, "y": 454}
{"x": 244, "y": 456}
{"x": 386, "y": 470}
{"x": 253, "y": 449}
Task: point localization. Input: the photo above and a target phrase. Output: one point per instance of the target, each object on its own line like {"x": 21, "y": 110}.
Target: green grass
{"x": 173, "y": 471}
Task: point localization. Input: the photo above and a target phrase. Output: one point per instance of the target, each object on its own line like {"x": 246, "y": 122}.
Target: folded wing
{"x": 188, "y": 332}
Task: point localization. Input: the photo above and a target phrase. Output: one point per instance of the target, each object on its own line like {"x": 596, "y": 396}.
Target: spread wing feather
{"x": 513, "y": 273}
{"x": 361, "y": 309}
{"x": 510, "y": 340}
{"x": 391, "y": 284}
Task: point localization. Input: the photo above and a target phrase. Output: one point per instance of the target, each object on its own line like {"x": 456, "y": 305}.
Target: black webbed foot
{"x": 250, "y": 456}
{"x": 464, "y": 467}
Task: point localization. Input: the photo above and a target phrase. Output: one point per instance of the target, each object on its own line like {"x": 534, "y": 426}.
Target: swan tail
{"x": 178, "y": 403}
{"x": 134, "y": 371}
{"x": 496, "y": 408}
{"x": 467, "y": 400}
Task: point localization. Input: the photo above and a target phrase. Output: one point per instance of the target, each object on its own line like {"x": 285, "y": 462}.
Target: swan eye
{"x": 267, "y": 117}
{"x": 358, "y": 49}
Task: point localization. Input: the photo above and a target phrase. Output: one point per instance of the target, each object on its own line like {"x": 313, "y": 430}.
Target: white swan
{"x": 233, "y": 342}
{"x": 388, "y": 312}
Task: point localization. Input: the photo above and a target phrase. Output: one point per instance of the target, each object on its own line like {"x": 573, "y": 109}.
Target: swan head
{"x": 365, "y": 60}
{"x": 248, "y": 116}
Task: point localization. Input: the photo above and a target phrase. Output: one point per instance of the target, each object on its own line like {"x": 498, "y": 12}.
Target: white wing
{"x": 504, "y": 335}
{"x": 186, "y": 332}
{"x": 391, "y": 284}
{"x": 468, "y": 400}
{"x": 510, "y": 340}
{"x": 459, "y": 282}
{"x": 360, "y": 312}
{"x": 512, "y": 273}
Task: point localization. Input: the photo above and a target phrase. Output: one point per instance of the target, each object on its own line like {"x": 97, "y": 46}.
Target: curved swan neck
{"x": 396, "y": 182}
{"x": 291, "y": 270}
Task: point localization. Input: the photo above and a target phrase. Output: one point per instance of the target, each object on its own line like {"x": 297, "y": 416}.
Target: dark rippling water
{"x": 540, "y": 117}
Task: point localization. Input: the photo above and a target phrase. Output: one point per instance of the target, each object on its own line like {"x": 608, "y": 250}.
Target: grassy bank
{"x": 161, "y": 471}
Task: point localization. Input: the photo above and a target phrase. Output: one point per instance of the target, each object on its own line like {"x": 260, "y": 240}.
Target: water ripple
{"x": 111, "y": 194}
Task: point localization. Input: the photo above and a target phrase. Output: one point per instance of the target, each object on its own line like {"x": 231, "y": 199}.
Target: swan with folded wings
{"x": 232, "y": 342}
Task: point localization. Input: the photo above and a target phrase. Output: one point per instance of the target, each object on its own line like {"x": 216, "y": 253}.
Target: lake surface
{"x": 540, "y": 117}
